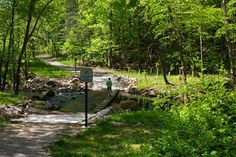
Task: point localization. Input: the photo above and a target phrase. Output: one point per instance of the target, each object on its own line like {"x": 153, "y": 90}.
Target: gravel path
{"x": 31, "y": 139}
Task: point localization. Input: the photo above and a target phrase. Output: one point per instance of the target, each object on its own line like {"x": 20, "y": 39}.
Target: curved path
{"x": 30, "y": 139}
{"x": 100, "y": 75}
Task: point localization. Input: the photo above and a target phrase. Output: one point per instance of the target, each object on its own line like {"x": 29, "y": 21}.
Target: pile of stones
{"x": 11, "y": 111}
{"x": 43, "y": 84}
{"x": 127, "y": 82}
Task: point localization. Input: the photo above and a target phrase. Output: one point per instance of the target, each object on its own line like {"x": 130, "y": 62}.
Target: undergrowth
{"x": 201, "y": 122}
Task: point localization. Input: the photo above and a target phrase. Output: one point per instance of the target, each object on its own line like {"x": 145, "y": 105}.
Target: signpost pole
{"x": 86, "y": 104}
{"x": 86, "y": 75}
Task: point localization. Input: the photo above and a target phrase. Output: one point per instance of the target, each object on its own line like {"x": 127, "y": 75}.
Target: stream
{"x": 72, "y": 104}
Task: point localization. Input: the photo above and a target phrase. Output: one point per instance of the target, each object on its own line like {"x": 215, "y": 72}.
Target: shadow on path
{"x": 29, "y": 140}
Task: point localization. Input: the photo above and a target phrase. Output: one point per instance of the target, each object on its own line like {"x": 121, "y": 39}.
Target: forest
{"x": 183, "y": 50}
{"x": 187, "y": 37}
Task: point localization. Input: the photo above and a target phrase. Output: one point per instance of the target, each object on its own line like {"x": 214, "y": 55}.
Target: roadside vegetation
{"x": 39, "y": 68}
{"x": 43, "y": 69}
{"x": 198, "y": 120}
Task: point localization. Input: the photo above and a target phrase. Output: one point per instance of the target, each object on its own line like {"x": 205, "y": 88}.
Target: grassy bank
{"x": 7, "y": 98}
{"x": 199, "y": 122}
{"x": 69, "y": 62}
{"x": 43, "y": 69}
{"x": 146, "y": 81}
{"x": 121, "y": 135}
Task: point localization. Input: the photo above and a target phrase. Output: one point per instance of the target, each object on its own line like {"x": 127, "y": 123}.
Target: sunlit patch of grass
{"x": 43, "y": 69}
{"x": 147, "y": 81}
{"x": 7, "y": 98}
{"x": 108, "y": 139}
{"x": 69, "y": 62}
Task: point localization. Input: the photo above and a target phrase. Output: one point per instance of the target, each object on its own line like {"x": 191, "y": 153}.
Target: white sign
{"x": 86, "y": 75}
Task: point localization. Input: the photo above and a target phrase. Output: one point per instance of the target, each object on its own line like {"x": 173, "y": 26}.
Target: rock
{"x": 128, "y": 105}
{"x": 39, "y": 105}
{"x": 133, "y": 91}
{"x": 31, "y": 75}
{"x": 48, "y": 95}
{"x": 36, "y": 97}
{"x": 74, "y": 81}
{"x": 52, "y": 83}
{"x": 10, "y": 111}
{"x": 49, "y": 105}
{"x": 2, "y": 116}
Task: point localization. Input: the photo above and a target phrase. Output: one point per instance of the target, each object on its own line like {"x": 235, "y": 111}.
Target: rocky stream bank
{"x": 47, "y": 96}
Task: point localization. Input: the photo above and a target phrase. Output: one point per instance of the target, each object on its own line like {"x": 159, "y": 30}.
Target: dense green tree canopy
{"x": 181, "y": 36}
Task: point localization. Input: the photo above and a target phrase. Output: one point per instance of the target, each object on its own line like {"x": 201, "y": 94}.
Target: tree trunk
{"x": 110, "y": 51}
{"x": 177, "y": 37}
{"x": 6, "y": 65}
{"x": 228, "y": 44}
{"x": 2, "y": 60}
{"x": 163, "y": 69}
{"x": 162, "y": 64}
{"x": 182, "y": 62}
{"x": 12, "y": 43}
{"x": 27, "y": 36}
{"x": 201, "y": 51}
{"x": 24, "y": 46}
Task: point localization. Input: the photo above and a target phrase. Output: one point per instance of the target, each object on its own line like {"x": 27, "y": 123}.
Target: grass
{"x": 204, "y": 125}
{"x": 43, "y": 69}
{"x": 69, "y": 62}
{"x": 147, "y": 81}
{"x": 7, "y": 98}
{"x": 120, "y": 135}
{"x": 4, "y": 123}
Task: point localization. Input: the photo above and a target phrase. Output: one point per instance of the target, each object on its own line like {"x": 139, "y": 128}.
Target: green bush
{"x": 204, "y": 126}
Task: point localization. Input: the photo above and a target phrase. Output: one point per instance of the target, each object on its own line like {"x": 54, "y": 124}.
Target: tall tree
{"x": 228, "y": 43}
{"x": 27, "y": 36}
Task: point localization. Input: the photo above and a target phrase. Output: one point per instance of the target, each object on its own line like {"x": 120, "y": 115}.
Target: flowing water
{"x": 72, "y": 104}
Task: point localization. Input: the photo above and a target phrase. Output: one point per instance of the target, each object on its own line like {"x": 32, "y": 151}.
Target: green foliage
{"x": 69, "y": 62}
{"x": 45, "y": 70}
{"x": 3, "y": 123}
{"x": 203, "y": 126}
{"x": 120, "y": 135}
{"x": 7, "y": 98}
